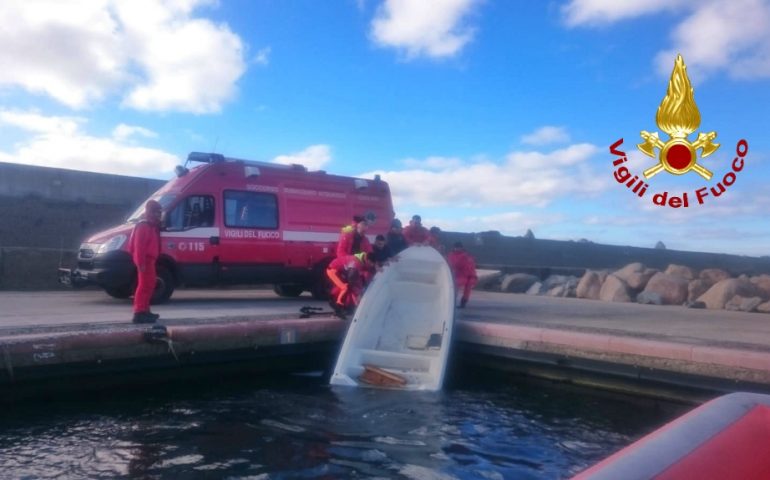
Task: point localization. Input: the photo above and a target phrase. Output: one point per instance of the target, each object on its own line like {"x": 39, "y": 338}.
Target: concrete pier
{"x": 626, "y": 346}
{"x": 83, "y": 335}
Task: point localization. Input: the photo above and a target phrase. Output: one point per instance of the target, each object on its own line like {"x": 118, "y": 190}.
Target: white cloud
{"x": 734, "y": 36}
{"x": 572, "y": 155}
{"x": 507, "y": 223}
{"x": 64, "y": 50}
{"x": 59, "y": 142}
{"x": 436, "y": 28}
{"x": 730, "y": 205}
{"x": 155, "y": 54}
{"x": 37, "y": 123}
{"x": 525, "y": 178}
{"x": 546, "y": 135}
{"x": 610, "y": 220}
{"x": 433, "y": 163}
{"x": 712, "y": 35}
{"x": 123, "y": 132}
{"x": 569, "y": 193}
{"x": 725, "y": 225}
{"x": 600, "y": 12}
{"x": 262, "y": 57}
{"x": 313, "y": 157}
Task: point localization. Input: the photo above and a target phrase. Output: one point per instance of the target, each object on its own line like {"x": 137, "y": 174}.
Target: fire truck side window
{"x": 192, "y": 212}
{"x": 251, "y": 210}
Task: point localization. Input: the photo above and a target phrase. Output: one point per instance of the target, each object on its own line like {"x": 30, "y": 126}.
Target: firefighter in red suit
{"x": 348, "y": 275}
{"x": 415, "y": 233}
{"x": 434, "y": 240}
{"x": 144, "y": 246}
{"x": 353, "y": 238}
{"x": 464, "y": 270}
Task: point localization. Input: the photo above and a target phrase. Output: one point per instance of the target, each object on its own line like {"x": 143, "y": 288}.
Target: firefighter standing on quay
{"x": 144, "y": 246}
{"x": 464, "y": 271}
{"x": 415, "y": 233}
{"x": 395, "y": 240}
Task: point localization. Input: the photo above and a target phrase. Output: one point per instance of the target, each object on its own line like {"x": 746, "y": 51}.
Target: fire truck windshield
{"x": 165, "y": 200}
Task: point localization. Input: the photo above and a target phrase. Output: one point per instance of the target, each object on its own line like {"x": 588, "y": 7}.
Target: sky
{"x": 480, "y": 114}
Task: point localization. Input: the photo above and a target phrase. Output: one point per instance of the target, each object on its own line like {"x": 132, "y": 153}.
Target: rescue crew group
{"x": 356, "y": 262}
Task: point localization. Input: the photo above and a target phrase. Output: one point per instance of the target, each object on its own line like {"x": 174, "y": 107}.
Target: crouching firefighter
{"x": 348, "y": 275}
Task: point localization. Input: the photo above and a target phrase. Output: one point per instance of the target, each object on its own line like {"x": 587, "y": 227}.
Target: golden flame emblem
{"x": 678, "y": 116}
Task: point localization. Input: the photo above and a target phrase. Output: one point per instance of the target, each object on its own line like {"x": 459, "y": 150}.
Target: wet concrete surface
{"x": 69, "y": 310}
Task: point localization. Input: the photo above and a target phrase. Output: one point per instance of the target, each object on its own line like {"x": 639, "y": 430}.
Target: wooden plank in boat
{"x": 377, "y": 376}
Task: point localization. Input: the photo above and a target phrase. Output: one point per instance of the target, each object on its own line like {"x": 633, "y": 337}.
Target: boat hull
{"x": 725, "y": 438}
{"x": 400, "y": 334}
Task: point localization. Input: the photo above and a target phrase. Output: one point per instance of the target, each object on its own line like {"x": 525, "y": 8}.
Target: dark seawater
{"x": 482, "y": 426}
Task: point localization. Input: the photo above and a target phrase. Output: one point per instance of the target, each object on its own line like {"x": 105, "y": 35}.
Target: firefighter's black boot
{"x": 145, "y": 317}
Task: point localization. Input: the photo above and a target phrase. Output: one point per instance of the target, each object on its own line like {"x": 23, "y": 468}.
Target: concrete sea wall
{"x": 544, "y": 257}
{"x": 45, "y": 213}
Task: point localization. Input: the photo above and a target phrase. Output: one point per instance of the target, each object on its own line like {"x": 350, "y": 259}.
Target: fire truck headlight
{"x": 112, "y": 244}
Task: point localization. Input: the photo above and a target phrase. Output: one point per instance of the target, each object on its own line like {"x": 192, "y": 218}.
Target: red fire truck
{"x": 232, "y": 221}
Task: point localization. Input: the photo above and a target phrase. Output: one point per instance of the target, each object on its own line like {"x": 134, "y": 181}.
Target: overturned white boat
{"x": 402, "y": 329}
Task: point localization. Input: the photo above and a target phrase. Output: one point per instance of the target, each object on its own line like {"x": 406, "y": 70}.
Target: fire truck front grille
{"x": 87, "y": 251}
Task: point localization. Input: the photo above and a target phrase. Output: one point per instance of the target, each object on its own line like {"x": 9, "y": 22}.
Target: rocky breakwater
{"x": 710, "y": 288}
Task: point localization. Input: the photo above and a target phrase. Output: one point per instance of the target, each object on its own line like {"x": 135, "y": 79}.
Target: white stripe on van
{"x": 200, "y": 232}
{"x": 316, "y": 237}
{"x": 288, "y": 235}
{"x": 295, "y": 236}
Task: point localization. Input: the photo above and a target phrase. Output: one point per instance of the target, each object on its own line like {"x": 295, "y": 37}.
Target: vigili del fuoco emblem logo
{"x": 678, "y": 117}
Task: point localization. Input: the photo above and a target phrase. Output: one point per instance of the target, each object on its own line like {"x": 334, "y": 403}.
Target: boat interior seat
{"x": 407, "y": 343}
{"x": 423, "y": 342}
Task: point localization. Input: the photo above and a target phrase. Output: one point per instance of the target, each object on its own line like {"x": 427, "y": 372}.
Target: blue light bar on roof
{"x": 205, "y": 157}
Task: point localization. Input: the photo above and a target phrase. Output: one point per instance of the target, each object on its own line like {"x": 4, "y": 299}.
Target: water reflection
{"x": 299, "y": 427}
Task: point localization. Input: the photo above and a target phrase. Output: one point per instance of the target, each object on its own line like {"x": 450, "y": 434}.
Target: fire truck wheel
{"x": 164, "y": 286}
{"x": 120, "y": 292}
{"x": 288, "y": 290}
